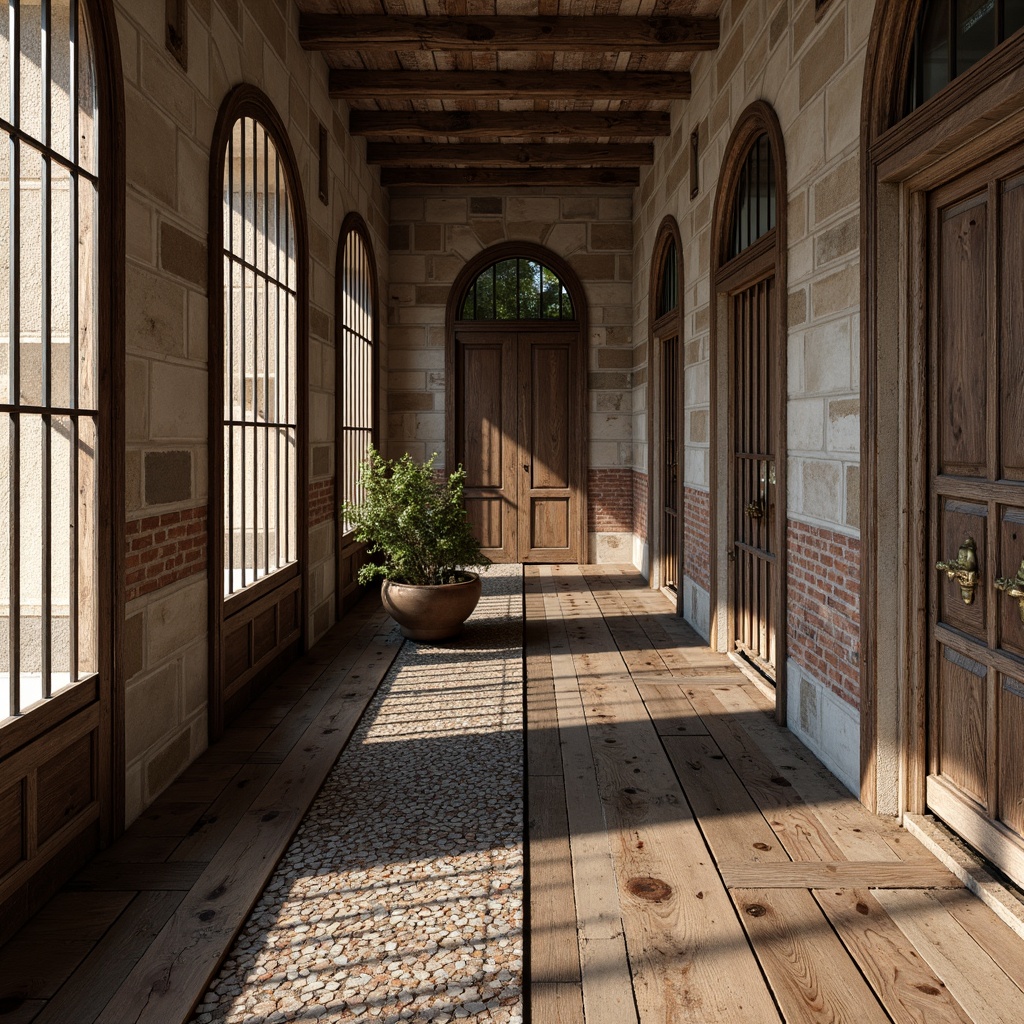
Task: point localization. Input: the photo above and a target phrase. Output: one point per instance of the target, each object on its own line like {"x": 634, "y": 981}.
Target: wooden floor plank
{"x": 176, "y": 968}
{"x": 554, "y": 944}
{"x": 811, "y": 974}
{"x": 140, "y": 876}
{"x": 670, "y": 710}
{"x": 543, "y": 755}
{"x": 837, "y": 874}
{"x": 977, "y": 983}
{"x": 907, "y": 987}
{"x": 555, "y": 1003}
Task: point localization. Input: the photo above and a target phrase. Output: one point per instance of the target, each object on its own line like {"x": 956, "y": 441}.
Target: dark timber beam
{"x": 565, "y": 154}
{"x": 433, "y": 85}
{"x": 495, "y": 124}
{"x": 596, "y": 33}
{"x": 508, "y": 177}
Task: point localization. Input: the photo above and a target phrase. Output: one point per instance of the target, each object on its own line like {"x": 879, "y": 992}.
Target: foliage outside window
{"x": 260, "y": 275}
{"x": 517, "y": 289}
{"x": 753, "y": 210}
{"x": 49, "y": 352}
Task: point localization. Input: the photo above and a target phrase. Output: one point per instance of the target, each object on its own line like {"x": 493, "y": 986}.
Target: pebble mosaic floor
{"x": 401, "y": 896}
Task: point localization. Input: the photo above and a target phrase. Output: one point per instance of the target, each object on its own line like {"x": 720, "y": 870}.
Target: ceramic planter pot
{"x": 431, "y": 612}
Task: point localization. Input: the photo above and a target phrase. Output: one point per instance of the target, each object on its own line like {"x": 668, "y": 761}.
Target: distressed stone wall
{"x": 170, "y": 114}
{"x": 811, "y": 71}
{"x": 433, "y": 233}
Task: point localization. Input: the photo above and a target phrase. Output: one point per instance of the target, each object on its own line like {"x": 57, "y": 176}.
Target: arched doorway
{"x": 943, "y": 313}
{"x": 665, "y": 401}
{"x": 516, "y": 407}
{"x": 748, "y": 341}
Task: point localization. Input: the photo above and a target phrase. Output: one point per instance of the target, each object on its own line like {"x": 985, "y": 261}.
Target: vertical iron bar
{"x": 277, "y": 350}
{"x": 254, "y": 346}
{"x": 73, "y": 354}
{"x": 229, "y": 382}
{"x": 14, "y": 362}
{"x": 46, "y": 355}
{"x": 242, "y": 355}
{"x": 266, "y": 353}
{"x": 287, "y": 385}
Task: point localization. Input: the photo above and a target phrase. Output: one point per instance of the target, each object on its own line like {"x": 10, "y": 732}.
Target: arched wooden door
{"x": 749, "y": 279}
{"x": 516, "y": 410}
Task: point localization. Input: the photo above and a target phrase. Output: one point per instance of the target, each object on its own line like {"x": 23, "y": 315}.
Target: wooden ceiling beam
{"x": 396, "y": 177}
{"x": 495, "y": 124}
{"x": 591, "y": 34}
{"x": 565, "y": 154}
{"x": 403, "y": 85}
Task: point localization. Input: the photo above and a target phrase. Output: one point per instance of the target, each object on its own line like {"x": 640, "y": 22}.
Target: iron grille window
{"x": 952, "y": 36}
{"x": 517, "y": 289}
{"x": 753, "y": 210}
{"x": 668, "y": 292}
{"x": 260, "y": 360}
{"x": 358, "y": 346}
{"x": 49, "y": 352}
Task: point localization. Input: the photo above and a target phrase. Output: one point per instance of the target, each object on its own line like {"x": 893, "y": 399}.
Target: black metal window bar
{"x": 753, "y": 211}
{"x": 517, "y": 289}
{"x": 358, "y": 347}
{"x": 49, "y": 347}
{"x": 260, "y": 361}
{"x": 952, "y": 36}
{"x": 668, "y": 292}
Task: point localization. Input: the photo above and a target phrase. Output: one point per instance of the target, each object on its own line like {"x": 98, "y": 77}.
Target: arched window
{"x": 357, "y": 354}
{"x": 258, "y": 383}
{"x": 668, "y": 284}
{"x": 952, "y": 36}
{"x": 50, "y": 351}
{"x": 517, "y": 289}
{"x": 61, "y": 440}
{"x": 753, "y": 205}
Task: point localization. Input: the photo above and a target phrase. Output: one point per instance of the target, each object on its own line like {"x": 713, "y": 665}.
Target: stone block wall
{"x": 171, "y": 114}
{"x": 810, "y": 69}
{"x": 433, "y": 233}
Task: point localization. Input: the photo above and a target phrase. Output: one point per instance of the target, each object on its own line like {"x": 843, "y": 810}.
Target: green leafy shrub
{"x": 414, "y": 520}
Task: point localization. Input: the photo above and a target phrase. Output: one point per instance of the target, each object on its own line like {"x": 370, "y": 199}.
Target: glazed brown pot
{"x": 431, "y": 612}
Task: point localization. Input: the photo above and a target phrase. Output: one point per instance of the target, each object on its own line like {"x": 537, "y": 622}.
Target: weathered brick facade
{"x": 321, "y": 502}
{"x": 641, "y": 497}
{"x": 824, "y": 606}
{"x": 610, "y": 500}
{"x": 697, "y": 520}
{"x": 161, "y": 550}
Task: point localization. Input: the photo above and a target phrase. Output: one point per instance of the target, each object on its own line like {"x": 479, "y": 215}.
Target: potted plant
{"x": 415, "y": 525}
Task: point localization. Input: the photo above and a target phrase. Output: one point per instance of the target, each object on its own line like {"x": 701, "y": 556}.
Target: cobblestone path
{"x": 401, "y": 896}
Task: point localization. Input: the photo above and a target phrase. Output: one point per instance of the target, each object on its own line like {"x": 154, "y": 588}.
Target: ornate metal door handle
{"x": 964, "y": 570}
{"x": 1013, "y": 586}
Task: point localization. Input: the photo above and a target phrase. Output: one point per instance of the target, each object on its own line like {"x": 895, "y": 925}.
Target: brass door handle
{"x": 1013, "y": 586}
{"x": 964, "y": 570}
{"x": 755, "y": 510}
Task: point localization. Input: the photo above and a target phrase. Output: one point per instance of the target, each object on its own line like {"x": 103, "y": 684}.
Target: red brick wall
{"x": 163, "y": 549}
{"x": 640, "y": 499}
{"x": 610, "y": 500}
{"x": 824, "y": 607}
{"x": 696, "y": 542}
{"x": 321, "y": 501}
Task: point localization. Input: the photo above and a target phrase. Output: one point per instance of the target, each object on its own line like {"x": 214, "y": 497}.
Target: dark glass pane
{"x": 529, "y": 290}
{"x": 933, "y": 49}
{"x": 469, "y": 306}
{"x": 754, "y": 205}
{"x": 668, "y": 298}
{"x": 567, "y": 313}
{"x": 552, "y": 290}
{"x": 770, "y": 176}
{"x": 505, "y": 305}
{"x": 975, "y": 31}
{"x": 485, "y": 295}
{"x": 1013, "y": 17}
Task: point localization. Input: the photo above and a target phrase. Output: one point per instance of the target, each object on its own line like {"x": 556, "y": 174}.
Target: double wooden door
{"x": 517, "y": 434}
{"x": 756, "y": 516}
{"x": 974, "y": 251}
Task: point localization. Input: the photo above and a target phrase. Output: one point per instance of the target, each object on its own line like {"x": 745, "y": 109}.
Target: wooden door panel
{"x": 549, "y": 384}
{"x": 483, "y": 417}
{"x": 1011, "y": 348}
{"x": 1011, "y": 749}
{"x": 1011, "y": 554}
{"x": 962, "y": 747}
{"x": 550, "y": 523}
{"x": 486, "y": 518}
{"x": 959, "y": 520}
{"x": 962, "y": 338}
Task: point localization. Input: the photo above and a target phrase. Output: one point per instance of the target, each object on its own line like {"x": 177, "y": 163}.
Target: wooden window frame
{"x": 769, "y": 252}
{"x": 96, "y": 704}
{"x": 248, "y": 101}
{"x": 973, "y": 117}
{"x": 668, "y": 324}
{"x": 349, "y": 551}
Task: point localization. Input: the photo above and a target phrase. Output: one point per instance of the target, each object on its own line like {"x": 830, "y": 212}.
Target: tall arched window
{"x": 61, "y": 440}
{"x": 357, "y": 354}
{"x": 258, "y": 372}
